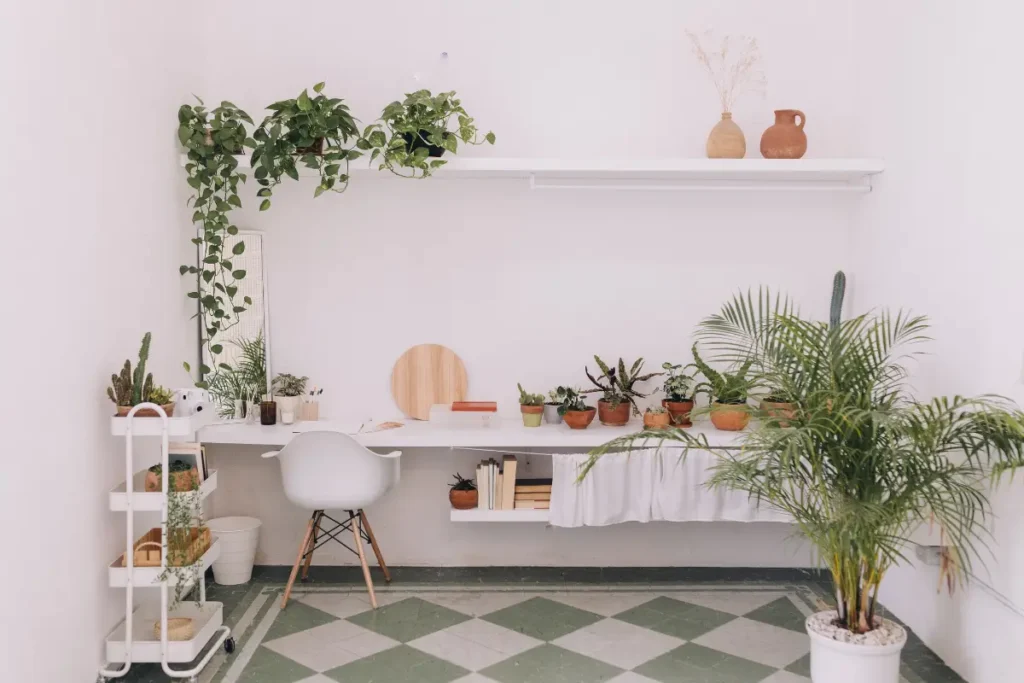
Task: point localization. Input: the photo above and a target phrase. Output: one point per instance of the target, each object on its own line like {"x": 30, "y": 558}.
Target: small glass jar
{"x": 268, "y": 413}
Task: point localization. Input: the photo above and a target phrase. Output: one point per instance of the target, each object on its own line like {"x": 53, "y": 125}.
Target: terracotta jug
{"x": 726, "y": 140}
{"x": 786, "y": 139}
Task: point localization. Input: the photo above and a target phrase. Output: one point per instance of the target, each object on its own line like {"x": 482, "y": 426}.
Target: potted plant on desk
{"x": 463, "y": 494}
{"x": 727, "y": 393}
{"x": 574, "y": 411}
{"x": 678, "y": 390}
{"x": 555, "y": 399}
{"x": 130, "y": 388}
{"x": 288, "y": 389}
{"x": 618, "y": 392}
{"x": 531, "y": 406}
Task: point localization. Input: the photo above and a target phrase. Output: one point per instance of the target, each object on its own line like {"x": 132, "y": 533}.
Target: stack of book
{"x": 532, "y": 494}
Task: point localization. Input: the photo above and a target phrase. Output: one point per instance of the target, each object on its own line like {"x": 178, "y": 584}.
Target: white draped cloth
{"x": 646, "y": 485}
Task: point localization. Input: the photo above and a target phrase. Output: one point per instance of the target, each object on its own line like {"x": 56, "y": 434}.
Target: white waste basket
{"x": 238, "y": 538}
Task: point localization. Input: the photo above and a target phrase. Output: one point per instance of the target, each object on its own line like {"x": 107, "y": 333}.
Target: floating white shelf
{"x": 206, "y": 619}
{"x": 480, "y": 515}
{"x": 149, "y": 576}
{"x": 152, "y": 502}
{"x": 654, "y": 174}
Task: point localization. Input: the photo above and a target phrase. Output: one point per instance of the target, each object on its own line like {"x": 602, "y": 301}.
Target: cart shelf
{"x": 149, "y": 576}
{"x": 151, "y": 502}
{"x": 206, "y": 618}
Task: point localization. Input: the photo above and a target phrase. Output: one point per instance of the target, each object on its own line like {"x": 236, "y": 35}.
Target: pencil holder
{"x": 311, "y": 410}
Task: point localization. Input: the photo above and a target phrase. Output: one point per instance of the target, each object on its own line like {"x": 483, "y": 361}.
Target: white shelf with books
{"x": 504, "y": 496}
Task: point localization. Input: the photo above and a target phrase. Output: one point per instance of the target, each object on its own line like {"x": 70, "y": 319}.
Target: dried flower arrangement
{"x": 733, "y": 67}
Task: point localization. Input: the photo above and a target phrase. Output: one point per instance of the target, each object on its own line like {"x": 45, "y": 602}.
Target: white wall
{"x": 941, "y": 235}
{"x": 94, "y": 229}
{"x": 527, "y": 286}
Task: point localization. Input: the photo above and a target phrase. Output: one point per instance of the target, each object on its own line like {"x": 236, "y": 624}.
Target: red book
{"x": 474, "y": 407}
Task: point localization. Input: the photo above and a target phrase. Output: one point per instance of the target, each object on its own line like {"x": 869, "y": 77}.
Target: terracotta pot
{"x": 532, "y": 415}
{"x": 463, "y": 500}
{"x": 680, "y": 412}
{"x": 786, "y": 139}
{"x": 579, "y": 419}
{"x": 122, "y": 411}
{"x": 730, "y": 417}
{"x": 613, "y": 417}
{"x": 726, "y": 140}
{"x": 657, "y": 420}
{"x": 180, "y": 481}
{"x": 782, "y": 412}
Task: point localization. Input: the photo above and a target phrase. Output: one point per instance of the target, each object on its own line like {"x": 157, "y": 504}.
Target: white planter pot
{"x": 833, "y": 661}
{"x": 551, "y": 415}
{"x": 289, "y": 404}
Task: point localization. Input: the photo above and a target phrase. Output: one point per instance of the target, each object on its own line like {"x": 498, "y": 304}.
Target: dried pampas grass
{"x": 733, "y": 67}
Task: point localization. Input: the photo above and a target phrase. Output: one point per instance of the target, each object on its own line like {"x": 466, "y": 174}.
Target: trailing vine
{"x": 313, "y": 130}
{"x": 213, "y": 140}
{"x": 184, "y": 512}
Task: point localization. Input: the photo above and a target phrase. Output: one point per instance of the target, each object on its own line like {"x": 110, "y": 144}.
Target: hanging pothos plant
{"x": 312, "y": 130}
{"x": 213, "y": 140}
{"x": 418, "y": 130}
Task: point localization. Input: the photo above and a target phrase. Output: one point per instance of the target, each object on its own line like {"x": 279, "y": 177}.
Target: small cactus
{"x": 132, "y": 388}
{"x": 838, "y": 292}
{"x": 139, "y": 379}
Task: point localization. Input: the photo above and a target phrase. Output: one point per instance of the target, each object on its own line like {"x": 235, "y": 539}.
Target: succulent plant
{"x": 462, "y": 484}
{"x": 526, "y": 399}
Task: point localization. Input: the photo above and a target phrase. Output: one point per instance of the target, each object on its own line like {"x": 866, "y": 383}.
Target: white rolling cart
{"x": 133, "y": 641}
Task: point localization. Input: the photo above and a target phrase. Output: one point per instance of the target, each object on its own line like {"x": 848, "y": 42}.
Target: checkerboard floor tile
{"x": 536, "y": 634}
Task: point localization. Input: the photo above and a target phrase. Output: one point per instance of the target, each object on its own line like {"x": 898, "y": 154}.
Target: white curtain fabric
{"x": 646, "y": 485}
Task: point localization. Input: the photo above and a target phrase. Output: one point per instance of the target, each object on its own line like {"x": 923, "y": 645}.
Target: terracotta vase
{"x": 657, "y": 420}
{"x": 532, "y": 415}
{"x": 613, "y": 417}
{"x": 463, "y": 500}
{"x": 579, "y": 419}
{"x": 786, "y": 138}
{"x": 779, "y": 413}
{"x": 680, "y": 412}
{"x": 726, "y": 140}
{"x": 730, "y": 417}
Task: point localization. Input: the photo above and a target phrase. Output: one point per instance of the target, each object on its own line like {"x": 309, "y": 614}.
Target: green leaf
{"x": 490, "y": 138}
{"x": 238, "y": 274}
{"x": 235, "y": 201}
{"x": 319, "y": 87}
{"x": 238, "y": 248}
{"x": 264, "y": 205}
{"x": 182, "y": 269}
{"x": 303, "y": 102}
{"x": 216, "y": 348}
{"x": 318, "y": 191}
{"x": 263, "y": 192}
{"x": 225, "y": 366}
{"x": 292, "y": 173}
{"x": 247, "y": 300}
{"x": 193, "y": 295}
{"x": 205, "y": 369}
{"x": 232, "y": 230}
{"x": 188, "y": 368}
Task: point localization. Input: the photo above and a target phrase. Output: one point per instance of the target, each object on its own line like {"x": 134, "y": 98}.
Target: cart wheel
{"x": 229, "y": 645}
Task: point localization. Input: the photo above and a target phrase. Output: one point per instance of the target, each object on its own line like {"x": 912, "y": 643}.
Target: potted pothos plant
{"x": 415, "y": 133}
{"x": 618, "y": 392}
{"x": 531, "y": 406}
{"x": 574, "y": 410}
{"x": 678, "y": 388}
{"x": 130, "y": 387}
{"x": 727, "y": 393}
{"x": 555, "y": 399}
{"x": 312, "y": 130}
{"x": 463, "y": 494}
{"x": 863, "y": 464}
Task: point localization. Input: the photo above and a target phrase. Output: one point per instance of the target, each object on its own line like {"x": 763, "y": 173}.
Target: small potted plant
{"x": 417, "y": 131}
{"x": 288, "y": 390}
{"x": 727, "y": 393}
{"x": 555, "y": 398}
{"x": 463, "y": 494}
{"x": 657, "y": 417}
{"x": 678, "y": 390}
{"x": 130, "y": 388}
{"x": 531, "y": 406}
{"x": 777, "y": 408}
{"x": 183, "y": 477}
{"x": 574, "y": 411}
{"x": 618, "y": 393}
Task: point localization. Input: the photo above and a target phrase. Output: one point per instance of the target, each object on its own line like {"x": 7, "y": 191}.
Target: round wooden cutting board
{"x": 425, "y": 375}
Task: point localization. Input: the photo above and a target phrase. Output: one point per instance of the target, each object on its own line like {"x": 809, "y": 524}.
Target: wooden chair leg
{"x": 376, "y": 548}
{"x": 362, "y": 560}
{"x": 318, "y": 516}
{"x": 298, "y": 561}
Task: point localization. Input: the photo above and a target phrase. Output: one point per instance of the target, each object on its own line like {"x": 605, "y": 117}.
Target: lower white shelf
{"x": 152, "y": 502}
{"x": 481, "y": 515}
{"x": 206, "y": 618}
{"x": 150, "y": 576}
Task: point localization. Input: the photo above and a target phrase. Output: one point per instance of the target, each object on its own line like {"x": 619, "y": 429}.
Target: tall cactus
{"x": 139, "y": 378}
{"x": 838, "y": 292}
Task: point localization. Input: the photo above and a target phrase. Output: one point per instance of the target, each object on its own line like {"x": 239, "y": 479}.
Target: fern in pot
{"x": 862, "y": 464}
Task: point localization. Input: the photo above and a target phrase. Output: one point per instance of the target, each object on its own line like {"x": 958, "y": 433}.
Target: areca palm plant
{"x": 863, "y": 463}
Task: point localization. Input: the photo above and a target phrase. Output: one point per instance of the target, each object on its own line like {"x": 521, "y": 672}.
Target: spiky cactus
{"x": 131, "y": 389}
{"x": 120, "y": 391}
{"x": 838, "y": 292}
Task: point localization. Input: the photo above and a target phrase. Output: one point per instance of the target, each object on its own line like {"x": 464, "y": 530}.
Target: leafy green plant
{"x": 724, "y": 387}
{"x": 556, "y": 396}
{"x": 213, "y": 141}
{"x": 617, "y": 384}
{"x": 863, "y": 463}
{"x": 657, "y": 410}
{"x": 679, "y": 384}
{"x": 462, "y": 484}
{"x": 312, "y": 130}
{"x": 572, "y": 401}
{"x": 417, "y": 130}
{"x": 184, "y": 512}
{"x": 526, "y": 399}
{"x": 161, "y": 395}
{"x": 130, "y": 388}
{"x": 246, "y": 380}
{"x": 289, "y": 385}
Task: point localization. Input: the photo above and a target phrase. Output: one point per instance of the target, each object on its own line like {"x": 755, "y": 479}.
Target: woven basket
{"x": 148, "y": 548}
{"x": 178, "y": 628}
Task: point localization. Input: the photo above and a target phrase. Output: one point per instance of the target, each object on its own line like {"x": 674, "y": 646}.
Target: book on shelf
{"x": 533, "y": 505}
{"x": 510, "y": 465}
{"x": 533, "y": 486}
{"x": 474, "y": 407}
{"x": 532, "y": 496}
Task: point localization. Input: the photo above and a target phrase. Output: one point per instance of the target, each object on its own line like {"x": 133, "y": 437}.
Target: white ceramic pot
{"x": 287, "y": 404}
{"x": 551, "y": 415}
{"x": 833, "y": 661}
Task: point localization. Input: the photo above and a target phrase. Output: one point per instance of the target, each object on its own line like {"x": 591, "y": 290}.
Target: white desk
{"x": 507, "y": 433}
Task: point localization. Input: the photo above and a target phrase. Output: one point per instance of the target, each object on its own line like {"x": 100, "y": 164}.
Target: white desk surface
{"x": 507, "y": 433}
